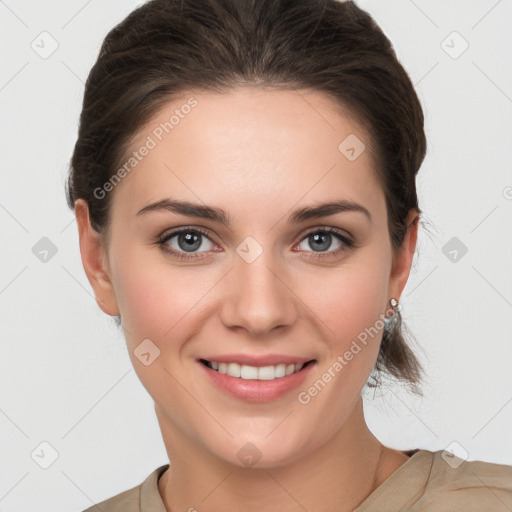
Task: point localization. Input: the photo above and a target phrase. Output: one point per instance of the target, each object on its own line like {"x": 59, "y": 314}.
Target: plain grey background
{"x": 70, "y": 399}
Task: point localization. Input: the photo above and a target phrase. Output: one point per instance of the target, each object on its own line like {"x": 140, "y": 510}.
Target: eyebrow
{"x": 219, "y": 215}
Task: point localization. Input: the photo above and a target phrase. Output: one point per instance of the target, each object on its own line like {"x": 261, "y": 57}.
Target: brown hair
{"x": 167, "y": 47}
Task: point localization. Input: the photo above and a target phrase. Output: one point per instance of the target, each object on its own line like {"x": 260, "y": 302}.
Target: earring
{"x": 394, "y": 304}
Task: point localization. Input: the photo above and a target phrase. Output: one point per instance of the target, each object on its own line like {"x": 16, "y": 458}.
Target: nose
{"x": 257, "y": 297}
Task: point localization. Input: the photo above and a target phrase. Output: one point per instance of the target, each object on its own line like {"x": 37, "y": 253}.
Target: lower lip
{"x": 252, "y": 390}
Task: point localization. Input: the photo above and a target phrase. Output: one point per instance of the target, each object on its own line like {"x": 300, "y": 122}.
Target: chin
{"x": 264, "y": 451}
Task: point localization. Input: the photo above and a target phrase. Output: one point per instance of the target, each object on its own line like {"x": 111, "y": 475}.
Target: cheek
{"x": 139, "y": 293}
{"x": 163, "y": 303}
{"x": 158, "y": 300}
{"x": 350, "y": 299}
{"x": 350, "y": 305}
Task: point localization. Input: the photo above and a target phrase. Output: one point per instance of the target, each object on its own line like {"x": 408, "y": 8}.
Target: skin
{"x": 257, "y": 154}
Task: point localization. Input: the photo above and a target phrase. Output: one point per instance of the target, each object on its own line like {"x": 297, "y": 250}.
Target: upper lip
{"x": 258, "y": 360}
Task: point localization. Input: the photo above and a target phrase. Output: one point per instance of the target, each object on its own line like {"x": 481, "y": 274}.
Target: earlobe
{"x": 94, "y": 260}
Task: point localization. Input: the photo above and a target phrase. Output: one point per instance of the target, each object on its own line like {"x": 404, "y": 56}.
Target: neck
{"x": 337, "y": 476}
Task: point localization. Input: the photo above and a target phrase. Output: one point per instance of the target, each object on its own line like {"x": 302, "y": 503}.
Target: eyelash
{"x": 348, "y": 243}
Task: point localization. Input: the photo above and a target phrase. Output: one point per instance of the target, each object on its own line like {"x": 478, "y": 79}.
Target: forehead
{"x": 247, "y": 146}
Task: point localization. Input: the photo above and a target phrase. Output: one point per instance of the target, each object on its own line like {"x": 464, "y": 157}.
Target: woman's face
{"x": 256, "y": 280}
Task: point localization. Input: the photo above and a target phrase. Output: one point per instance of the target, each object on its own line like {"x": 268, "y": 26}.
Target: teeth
{"x": 280, "y": 370}
{"x": 266, "y": 373}
{"x": 255, "y": 372}
{"x": 234, "y": 370}
{"x": 249, "y": 372}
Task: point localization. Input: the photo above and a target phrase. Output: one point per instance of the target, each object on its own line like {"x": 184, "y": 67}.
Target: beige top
{"x": 427, "y": 482}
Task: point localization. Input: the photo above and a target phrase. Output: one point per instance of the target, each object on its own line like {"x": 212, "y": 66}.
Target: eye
{"x": 187, "y": 242}
{"x": 321, "y": 239}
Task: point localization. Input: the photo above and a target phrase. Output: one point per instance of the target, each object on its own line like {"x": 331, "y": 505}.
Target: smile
{"x": 256, "y": 377}
{"x": 247, "y": 372}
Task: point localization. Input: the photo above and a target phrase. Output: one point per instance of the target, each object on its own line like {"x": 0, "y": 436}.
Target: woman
{"x": 219, "y": 143}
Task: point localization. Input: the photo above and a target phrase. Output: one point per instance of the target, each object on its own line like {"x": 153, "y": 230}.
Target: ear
{"x": 94, "y": 260}
{"x": 402, "y": 260}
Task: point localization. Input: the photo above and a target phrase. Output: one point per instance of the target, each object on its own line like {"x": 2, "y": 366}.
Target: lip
{"x": 258, "y": 391}
{"x": 255, "y": 360}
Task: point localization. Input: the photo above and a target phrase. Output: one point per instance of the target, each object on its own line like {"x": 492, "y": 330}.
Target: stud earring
{"x": 394, "y": 304}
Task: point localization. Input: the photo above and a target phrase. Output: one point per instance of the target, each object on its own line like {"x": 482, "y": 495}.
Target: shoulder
{"x": 127, "y": 501}
{"x": 455, "y": 484}
{"x": 142, "y": 497}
